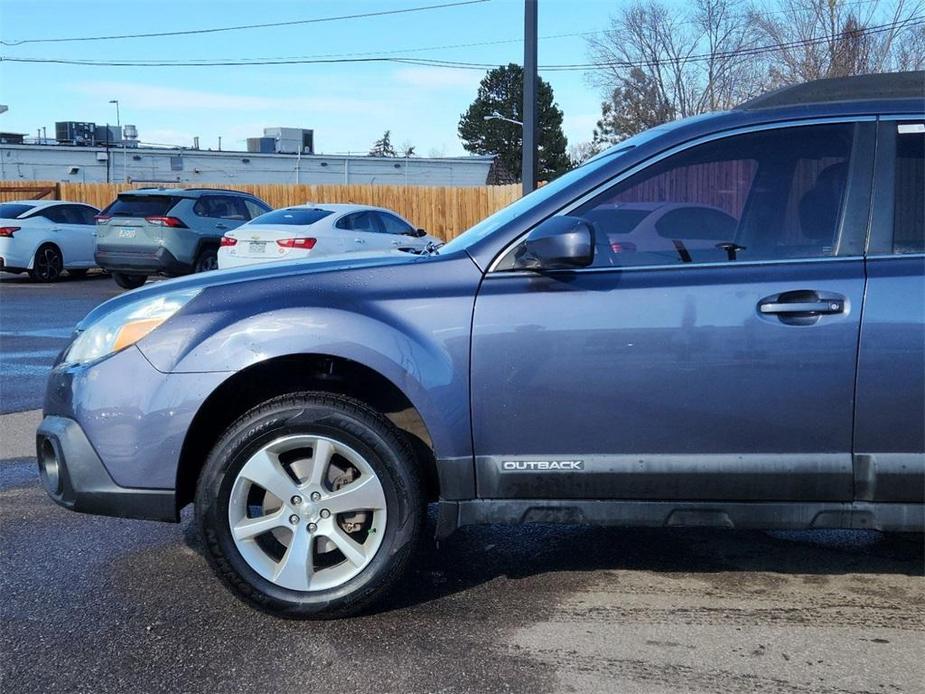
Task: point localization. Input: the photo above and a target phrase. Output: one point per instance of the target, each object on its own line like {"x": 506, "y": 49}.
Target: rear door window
{"x": 141, "y": 206}
{"x": 909, "y": 187}
{"x": 361, "y": 221}
{"x": 220, "y": 207}
{"x": 55, "y": 214}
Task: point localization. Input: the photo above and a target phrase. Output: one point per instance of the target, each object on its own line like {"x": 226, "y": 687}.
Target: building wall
{"x": 54, "y": 163}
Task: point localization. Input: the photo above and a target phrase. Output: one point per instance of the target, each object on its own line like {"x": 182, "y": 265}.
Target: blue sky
{"x": 348, "y": 105}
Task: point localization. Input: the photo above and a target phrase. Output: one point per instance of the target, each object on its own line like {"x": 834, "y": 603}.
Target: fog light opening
{"x": 49, "y": 467}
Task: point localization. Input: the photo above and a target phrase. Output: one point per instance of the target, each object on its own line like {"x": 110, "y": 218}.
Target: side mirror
{"x": 558, "y": 243}
{"x": 418, "y": 233}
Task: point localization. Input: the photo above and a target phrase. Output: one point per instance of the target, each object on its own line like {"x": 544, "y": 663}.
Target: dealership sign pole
{"x": 528, "y": 163}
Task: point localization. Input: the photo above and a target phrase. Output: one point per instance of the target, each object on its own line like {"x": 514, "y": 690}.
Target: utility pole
{"x": 528, "y": 163}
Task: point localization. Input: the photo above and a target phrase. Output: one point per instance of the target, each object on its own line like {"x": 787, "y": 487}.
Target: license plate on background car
{"x": 258, "y": 247}
{"x": 127, "y": 233}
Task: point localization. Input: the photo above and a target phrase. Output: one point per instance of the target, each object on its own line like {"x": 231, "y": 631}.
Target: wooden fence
{"x": 444, "y": 212}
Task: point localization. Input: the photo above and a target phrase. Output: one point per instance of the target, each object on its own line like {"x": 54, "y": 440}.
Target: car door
{"x": 65, "y": 233}
{"x": 366, "y": 232}
{"x": 706, "y": 359}
{"x": 890, "y": 416}
{"x": 81, "y": 231}
{"x": 401, "y": 234}
{"x": 219, "y": 214}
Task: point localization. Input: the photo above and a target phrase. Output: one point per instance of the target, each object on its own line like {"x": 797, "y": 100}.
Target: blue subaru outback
{"x": 719, "y": 322}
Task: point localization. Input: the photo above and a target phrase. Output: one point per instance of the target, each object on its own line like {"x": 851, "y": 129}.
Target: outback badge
{"x": 542, "y": 465}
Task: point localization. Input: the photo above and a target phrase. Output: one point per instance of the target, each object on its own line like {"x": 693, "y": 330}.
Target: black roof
{"x": 892, "y": 85}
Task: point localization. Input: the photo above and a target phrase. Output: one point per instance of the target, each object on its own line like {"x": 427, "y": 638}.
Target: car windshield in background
{"x": 140, "y": 206}
{"x": 12, "y": 210}
{"x": 297, "y": 216}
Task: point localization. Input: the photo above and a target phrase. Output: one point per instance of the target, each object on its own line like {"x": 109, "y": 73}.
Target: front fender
{"x": 417, "y": 336}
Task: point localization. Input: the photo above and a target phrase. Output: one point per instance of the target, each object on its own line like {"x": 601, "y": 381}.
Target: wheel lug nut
{"x": 316, "y": 496}
{"x": 325, "y": 513}
{"x": 293, "y": 519}
{"x": 296, "y": 500}
{"x": 312, "y": 527}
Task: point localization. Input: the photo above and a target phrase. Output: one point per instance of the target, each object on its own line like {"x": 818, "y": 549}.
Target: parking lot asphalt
{"x": 90, "y": 604}
{"x": 35, "y": 323}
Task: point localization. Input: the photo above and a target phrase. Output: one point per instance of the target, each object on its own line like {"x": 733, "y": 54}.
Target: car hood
{"x": 268, "y": 272}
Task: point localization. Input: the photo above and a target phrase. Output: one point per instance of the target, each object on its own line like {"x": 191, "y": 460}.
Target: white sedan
{"x": 310, "y": 231}
{"x": 47, "y": 237}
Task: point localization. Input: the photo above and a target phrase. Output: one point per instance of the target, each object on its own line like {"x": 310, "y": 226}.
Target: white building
{"x": 78, "y": 164}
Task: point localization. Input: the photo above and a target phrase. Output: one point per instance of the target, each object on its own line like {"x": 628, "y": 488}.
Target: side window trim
{"x": 641, "y": 166}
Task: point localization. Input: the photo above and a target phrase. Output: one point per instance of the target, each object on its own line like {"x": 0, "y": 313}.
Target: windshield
{"x": 506, "y": 214}
{"x": 298, "y": 216}
{"x": 11, "y": 210}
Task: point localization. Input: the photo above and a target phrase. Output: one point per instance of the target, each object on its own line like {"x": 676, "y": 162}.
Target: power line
{"x": 463, "y": 65}
{"x": 215, "y": 30}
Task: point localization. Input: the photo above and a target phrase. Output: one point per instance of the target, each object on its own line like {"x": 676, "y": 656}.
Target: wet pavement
{"x": 36, "y": 321}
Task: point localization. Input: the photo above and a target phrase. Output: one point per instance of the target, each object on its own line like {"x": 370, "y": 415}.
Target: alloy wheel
{"x": 48, "y": 264}
{"x": 307, "y": 512}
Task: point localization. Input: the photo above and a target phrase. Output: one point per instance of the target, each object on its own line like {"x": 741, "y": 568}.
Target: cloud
{"x": 580, "y": 126}
{"x": 159, "y": 98}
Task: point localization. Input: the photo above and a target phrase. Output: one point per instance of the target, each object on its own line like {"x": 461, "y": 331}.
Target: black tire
{"x": 77, "y": 274}
{"x": 364, "y": 430}
{"x": 129, "y": 281}
{"x": 48, "y": 264}
{"x": 207, "y": 260}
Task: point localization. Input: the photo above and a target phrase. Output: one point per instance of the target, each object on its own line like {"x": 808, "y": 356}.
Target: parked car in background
{"x": 320, "y": 230}
{"x": 168, "y": 231}
{"x": 47, "y": 237}
{"x": 527, "y": 372}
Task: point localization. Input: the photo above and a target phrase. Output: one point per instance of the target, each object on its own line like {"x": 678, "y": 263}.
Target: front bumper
{"x": 75, "y": 477}
{"x": 132, "y": 260}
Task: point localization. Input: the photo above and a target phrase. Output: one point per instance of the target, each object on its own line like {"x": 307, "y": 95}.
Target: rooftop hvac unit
{"x": 292, "y": 140}
{"x": 261, "y": 145}
{"x": 75, "y": 132}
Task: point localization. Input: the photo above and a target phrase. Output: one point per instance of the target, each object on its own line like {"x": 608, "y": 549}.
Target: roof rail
{"x": 891, "y": 85}
{"x": 216, "y": 190}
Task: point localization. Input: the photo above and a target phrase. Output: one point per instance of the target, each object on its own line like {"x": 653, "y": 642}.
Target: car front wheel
{"x": 310, "y": 506}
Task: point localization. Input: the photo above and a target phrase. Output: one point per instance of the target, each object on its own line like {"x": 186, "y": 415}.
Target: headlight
{"x": 126, "y": 325}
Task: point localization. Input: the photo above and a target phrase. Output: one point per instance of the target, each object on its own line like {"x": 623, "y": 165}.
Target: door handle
{"x": 822, "y": 306}
{"x": 801, "y": 307}
{"x": 359, "y": 241}
{"x": 221, "y": 226}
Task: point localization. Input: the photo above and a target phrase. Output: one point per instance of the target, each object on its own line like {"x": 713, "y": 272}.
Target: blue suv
{"x": 719, "y": 322}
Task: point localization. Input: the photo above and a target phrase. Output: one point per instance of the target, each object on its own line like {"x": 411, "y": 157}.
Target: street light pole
{"x": 528, "y": 163}
{"x": 498, "y": 116}
{"x": 119, "y": 125}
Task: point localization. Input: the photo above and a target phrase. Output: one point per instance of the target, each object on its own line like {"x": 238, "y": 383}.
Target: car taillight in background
{"x": 304, "y": 243}
{"x": 228, "y": 241}
{"x": 165, "y": 221}
{"x": 7, "y": 232}
{"x": 622, "y": 247}
{"x": 102, "y": 218}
